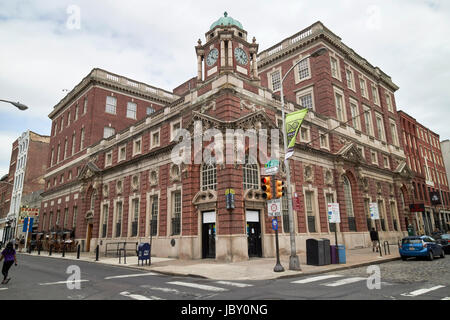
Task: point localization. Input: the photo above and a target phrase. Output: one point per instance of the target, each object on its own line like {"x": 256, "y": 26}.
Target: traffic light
{"x": 266, "y": 186}
{"x": 279, "y": 189}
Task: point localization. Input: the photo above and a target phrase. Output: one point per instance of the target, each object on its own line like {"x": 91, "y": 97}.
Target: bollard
{"x": 64, "y": 251}
{"x": 39, "y": 249}
{"x": 50, "y": 250}
{"x": 78, "y": 252}
{"x": 96, "y": 252}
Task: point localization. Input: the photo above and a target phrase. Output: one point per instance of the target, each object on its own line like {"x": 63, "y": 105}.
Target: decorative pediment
{"x": 89, "y": 215}
{"x": 403, "y": 171}
{"x": 351, "y": 153}
{"x": 203, "y": 197}
{"x": 253, "y": 195}
{"x": 88, "y": 171}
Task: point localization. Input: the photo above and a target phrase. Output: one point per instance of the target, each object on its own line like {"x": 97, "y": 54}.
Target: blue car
{"x": 420, "y": 246}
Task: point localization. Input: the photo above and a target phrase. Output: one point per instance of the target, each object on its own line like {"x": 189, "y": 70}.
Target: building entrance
{"x": 253, "y": 234}
{"x": 209, "y": 235}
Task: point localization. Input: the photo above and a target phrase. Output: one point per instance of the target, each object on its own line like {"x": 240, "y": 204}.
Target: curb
{"x": 171, "y": 273}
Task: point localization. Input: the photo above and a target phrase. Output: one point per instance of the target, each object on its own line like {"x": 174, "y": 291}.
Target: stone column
{"x": 222, "y": 53}
{"x": 199, "y": 68}
{"x": 255, "y": 66}
{"x": 230, "y": 53}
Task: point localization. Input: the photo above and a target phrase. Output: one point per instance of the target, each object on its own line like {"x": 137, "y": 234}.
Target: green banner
{"x": 293, "y": 123}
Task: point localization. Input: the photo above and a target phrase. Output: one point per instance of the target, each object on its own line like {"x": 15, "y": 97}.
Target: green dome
{"x": 226, "y": 21}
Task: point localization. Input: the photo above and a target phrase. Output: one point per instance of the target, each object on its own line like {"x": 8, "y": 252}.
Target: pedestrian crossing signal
{"x": 279, "y": 189}
{"x": 266, "y": 188}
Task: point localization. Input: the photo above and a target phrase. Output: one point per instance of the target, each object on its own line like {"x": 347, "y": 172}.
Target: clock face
{"x": 241, "y": 56}
{"x": 212, "y": 57}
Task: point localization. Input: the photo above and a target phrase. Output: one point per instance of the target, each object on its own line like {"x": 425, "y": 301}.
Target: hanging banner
{"x": 293, "y": 122}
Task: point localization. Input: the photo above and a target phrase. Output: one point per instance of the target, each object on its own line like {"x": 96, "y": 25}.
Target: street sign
{"x": 274, "y": 208}
{"x": 229, "y": 194}
{"x": 334, "y": 215}
{"x": 374, "y": 214}
{"x": 275, "y": 224}
{"x": 271, "y": 167}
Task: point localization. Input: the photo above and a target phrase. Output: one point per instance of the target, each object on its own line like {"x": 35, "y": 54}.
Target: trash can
{"x": 341, "y": 253}
{"x": 314, "y": 252}
{"x": 326, "y": 251}
{"x": 333, "y": 254}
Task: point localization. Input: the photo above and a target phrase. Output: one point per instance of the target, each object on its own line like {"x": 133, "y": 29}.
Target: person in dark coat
{"x": 375, "y": 239}
{"x": 9, "y": 254}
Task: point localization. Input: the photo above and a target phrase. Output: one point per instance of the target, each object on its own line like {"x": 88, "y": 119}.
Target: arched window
{"x": 250, "y": 174}
{"x": 349, "y": 204}
{"x": 209, "y": 175}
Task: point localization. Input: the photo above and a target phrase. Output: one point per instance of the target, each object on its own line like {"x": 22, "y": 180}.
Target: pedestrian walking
{"x": 9, "y": 254}
{"x": 375, "y": 239}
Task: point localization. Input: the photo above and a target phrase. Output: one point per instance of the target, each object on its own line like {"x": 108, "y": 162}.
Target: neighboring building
{"x": 125, "y": 186}
{"x": 27, "y": 170}
{"x": 445, "y": 148}
{"x": 425, "y": 159}
{"x": 5, "y": 198}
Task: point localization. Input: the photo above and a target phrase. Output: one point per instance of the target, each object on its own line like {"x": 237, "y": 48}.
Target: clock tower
{"x": 226, "y": 50}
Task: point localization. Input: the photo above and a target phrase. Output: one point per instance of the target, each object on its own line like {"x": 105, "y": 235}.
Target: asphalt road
{"x": 45, "y": 278}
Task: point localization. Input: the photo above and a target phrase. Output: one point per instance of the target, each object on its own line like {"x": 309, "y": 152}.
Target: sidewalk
{"x": 252, "y": 269}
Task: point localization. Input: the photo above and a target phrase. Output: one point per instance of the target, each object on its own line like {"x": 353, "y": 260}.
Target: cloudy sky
{"x": 47, "y": 47}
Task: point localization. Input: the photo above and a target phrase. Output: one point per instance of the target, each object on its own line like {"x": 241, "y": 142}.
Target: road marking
{"x": 62, "y": 282}
{"x": 131, "y": 275}
{"x": 446, "y": 298}
{"x": 421, "y": 291}
{"x": 198, "y": 286}
{"x": 138, "y": 296}
{"x": 3, "y": 289}
{"x": 234, "y": 284}
{"x": 312, "y": 279}
{"x": 344, "y": 281}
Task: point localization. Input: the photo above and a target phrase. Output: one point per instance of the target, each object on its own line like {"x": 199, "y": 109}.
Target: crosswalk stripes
{"x": 131, "y": 275}
{"x": 198, "y": 286}
{"x": 318, "y": 278}
{"x": 235, "y": 284}
{"x": 421, "y": 291}
{"x": 138, "y": 296}
{"x": 344, "y": 281}
{"x": 446, "y": 298}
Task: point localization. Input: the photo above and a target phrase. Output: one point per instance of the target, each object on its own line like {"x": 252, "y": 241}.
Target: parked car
{"x": 420, "y": 246}
{"x": 444, "y": 241}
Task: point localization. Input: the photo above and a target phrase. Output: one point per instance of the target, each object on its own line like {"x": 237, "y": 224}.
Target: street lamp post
{"x": 18, "y": 105}
{"x": 294, "y": 262}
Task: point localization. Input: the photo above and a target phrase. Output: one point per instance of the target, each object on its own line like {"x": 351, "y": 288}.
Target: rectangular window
{"x": 108, "y": 159}
{"x": 304, "y": 134}
{"x": 82, "y": 139}
{"x": 74, "y": 217}
{"x": 389, "y": 102}
{"x": 303, "y": 69}
{"x": 306, "y": 101}
{"x": 119, "y": 211}
{"x": 276, "y": 80}
{"x": 174, "y": 129}
{"x": 108, "y": 132}
{"x": 367, "y": 211}
{"x": 105, "y": 219}
{"x": 73, "y": 143}
{"x": 374, "y": 157}
{"x": 131, "y": 110}
{"x": 122, "y": 153}
{"x": 65, "y": 149}
{"x": 376, "y": 99}
{"x": 58, "y": 217}
{"x": 334, "y": 68}
{"x": 340, "y": 107}
{"x": 68, "y": 118}
{"x": 155, "y": 139}
{"x": 355, "y": 115}
{"x": 350, "y": 80}
{"x": 137, "y": 146}
{"x": 324, "y": 140}
{"x": 176, "y": 213}
{"x": 380, "y": 127}
{"x": 111, "y": 103}
{"x": 154, "y": 215}
{"x": 382, "y": 215}
{"x": 150, "y": 110}
{"x": 309, "y": 196}
{"x": 76, "y": 113}
{"x": 368, "y": 121}
{"x": 394, "y": 134}
{"x": 85, "y": 105}
{"x": 66, "y": 217}
{"x": 386, "y": 162}
{"x": 362, "y": 84}
{"x": 134, "y": 222}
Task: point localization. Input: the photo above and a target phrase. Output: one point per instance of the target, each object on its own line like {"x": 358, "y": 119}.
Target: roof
{"x": 226, "y": 21}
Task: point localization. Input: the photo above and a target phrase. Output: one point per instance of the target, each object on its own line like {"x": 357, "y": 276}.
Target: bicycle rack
{"x": 388, "y": 249}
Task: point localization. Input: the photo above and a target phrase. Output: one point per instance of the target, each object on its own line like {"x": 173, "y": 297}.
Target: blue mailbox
{"x": 144, "y": 252}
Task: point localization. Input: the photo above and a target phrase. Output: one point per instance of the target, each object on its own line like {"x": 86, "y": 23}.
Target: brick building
{"x": 25, "y": 176}
{"x": 5, "y": 198}
{"x": 124, "y": 185}
{"x": 425, "y": 159}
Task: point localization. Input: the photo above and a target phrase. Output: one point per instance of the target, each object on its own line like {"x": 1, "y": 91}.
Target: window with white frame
{"x": 303, "y": 70}
{"x": 305, "y": 135}
{"x": 137, "y": 146}
{"x": 386, "y": 162}
{"x": 155, "y": 139}
{"x": 389, "y": 102}
{"x": 334, "y": 67}
{"x": 150, "y": 110}
{"x": 374, "y": 157}
{"x": 340, "y": 107}
{"x": 174, "y": 127}
{"x": 74, "y": 136}
{"x": 380, "y": 127}
{"x": 250, "y": 174}
{"x": 108, "y": 132}
{"x": 209, "y": 176}
{"x": 111, "y": 103}
{"x": 350, "y": 79}
{"x": 310, "y": 211}
{"x": 323, "y": 138}
{"x": 154, "y": 210}
{"x": 394, "y": 133}
{"x": 85, "y": 105}
{"x": 306, "y": 98}
{"x": 363, "y": 87}
{"x": 176, "y": 212}
{"x": 82, "y": 139}
{"x": 74, "y": 216}
{"x": 376, "y": 98}
{"x": 275, "y": 80}
{"x": 135, "y": 217}
{"x": 76, "y": 113}
{"x": 122, "y": 152}
{"x": 105, "y": 219}
{"x": 108, "y": 159}
{"x": 354, "y": 110}
{"x": 368, "y": 121}
{"x": 119, "y": 212}
{"x": 131, "y": 110}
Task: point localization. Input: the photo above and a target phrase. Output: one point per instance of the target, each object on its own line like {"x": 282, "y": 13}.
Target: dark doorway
{"x": 209, "y": 240}
{"x": 254, "y": 239}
